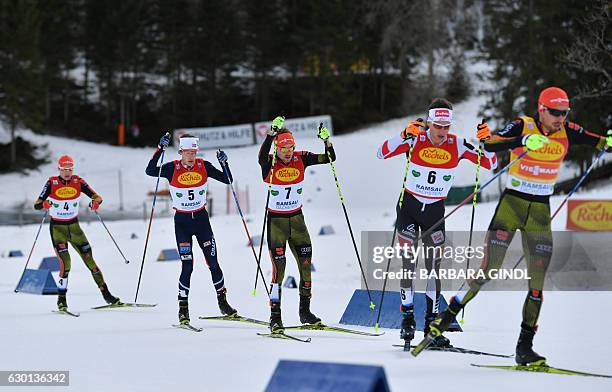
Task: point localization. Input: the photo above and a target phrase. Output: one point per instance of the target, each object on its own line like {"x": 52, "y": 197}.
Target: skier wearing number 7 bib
{"x": 284, "y": 173}
{"x": 434, "y": 154}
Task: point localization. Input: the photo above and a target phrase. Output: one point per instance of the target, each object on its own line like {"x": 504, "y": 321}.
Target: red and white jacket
{"x": 432, "y": 167}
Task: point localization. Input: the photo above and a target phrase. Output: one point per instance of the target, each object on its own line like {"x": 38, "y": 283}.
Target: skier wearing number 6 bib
{"x": 60, "y": 197}
{"x": 434, "y": 154}
{"x": 188, "y": 180}
{"x": 284, "y": 173}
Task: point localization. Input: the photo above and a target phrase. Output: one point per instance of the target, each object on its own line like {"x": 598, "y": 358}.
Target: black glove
{"x": 165, "y": 140}
{"x": 222, "y": 157}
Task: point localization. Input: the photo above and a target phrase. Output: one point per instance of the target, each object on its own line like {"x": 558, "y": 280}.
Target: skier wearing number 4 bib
{"x": 435, "y": 155}
{"x": 285, "y": 219}
{"x": 60, "y": 196}
{"x": 525, "y": 206}
{"x": 188, "y": 179}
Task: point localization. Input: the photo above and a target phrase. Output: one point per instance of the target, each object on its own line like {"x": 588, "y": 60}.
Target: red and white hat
{"x": 440, "y": 116}
{"x": 189, "y": 143}
{"x": 285, "y": 140}
{"x": 65, "y": 162}
{"x": 552, "y": 97}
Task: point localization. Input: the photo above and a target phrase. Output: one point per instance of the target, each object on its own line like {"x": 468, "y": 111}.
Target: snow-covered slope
{"x": 137, "y": 350}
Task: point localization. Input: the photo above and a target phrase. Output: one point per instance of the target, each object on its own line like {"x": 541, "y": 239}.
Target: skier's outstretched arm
{"x": 578, "y": 135}
{"x": 508, "y": 138}
{"x": 153, "y": 170}
{"x": 38, "y": 204}
{"x": 217, "y": 174}
{"x": 264, "y": 158}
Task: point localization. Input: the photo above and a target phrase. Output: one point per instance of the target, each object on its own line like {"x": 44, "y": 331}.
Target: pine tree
{"x": 20, "y": 67}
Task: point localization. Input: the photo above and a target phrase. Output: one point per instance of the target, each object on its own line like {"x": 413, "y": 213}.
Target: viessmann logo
{"x": 189, "y": 178}
{"x": 590, "y": 215}
{"x": 66, "y": 192}
{"x": 553, "y": 151}
{"x": 287, "y": 174}
{"x": 435, "y": 156}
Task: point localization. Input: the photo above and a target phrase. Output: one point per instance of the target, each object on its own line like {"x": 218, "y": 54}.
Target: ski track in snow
{"x": 138, "y": 350}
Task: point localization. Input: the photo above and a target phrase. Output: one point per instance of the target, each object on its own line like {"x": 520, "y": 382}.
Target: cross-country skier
{"x": 285, "y": 218}
{"x": 435, "y": 155}
{"x": 188, "y": 182}
{"x": 61, "y": 196}
{"x": 525, "y": 206}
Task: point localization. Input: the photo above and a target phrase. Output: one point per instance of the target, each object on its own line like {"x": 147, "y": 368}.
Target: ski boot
{"x": 440, "y": 340}
{"x": 224, "y": 307}
{"x": 183, "y": 314}
{"x": 276, "y": 322}
{"x": 62, "y": 305}
{"x": 524, "y": 352}
{"x": 108, "y": 297}
{"x": 306, "y": 316}
{"x": 408, "y": 326}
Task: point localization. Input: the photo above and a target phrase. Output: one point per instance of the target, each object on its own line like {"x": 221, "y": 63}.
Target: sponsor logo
{"x": 437, "y": 237}
{"x": 299, "y": 191}
{"x": 553, "y": 151}
{"x": 274, "y": 193}
{"x": 515, "y": 182}
{"x": 189, "y": 178}
{"x": 66, "y": 192}
{"x": 435, "y": 156}
{"x": 441, "y": 113}
{"x": 179, "y": 194}
{"x": 590, "y": 215}
{"x": 206, "y": 243}
{"x": 447, "y": 178}
{"x": 544, "y": 248}
{"x": 502, "y": 235}
{"x": 280, "y": 251}
{"x": 538, "y": 170}
{"x": 287, "y": 174}
{"x": 416, "y": 173}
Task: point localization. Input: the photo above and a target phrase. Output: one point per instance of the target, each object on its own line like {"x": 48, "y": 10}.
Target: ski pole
{"x": 474, "y": 201}
{"x": 401, "y": 200}
{"x": 372, "y": 306}
{"x": 32, "y": 249}
{"x": 112, "y": 238}
{"x": 246, "y": 229}
{"x": 263, "y": 227}
{"x": 574, "y": 189}
{"x": 499, "y": 173}
{"x": 144, "y": 253}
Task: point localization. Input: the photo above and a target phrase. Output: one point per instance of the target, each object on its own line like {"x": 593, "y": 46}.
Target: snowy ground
{"x": 137, "y": 350}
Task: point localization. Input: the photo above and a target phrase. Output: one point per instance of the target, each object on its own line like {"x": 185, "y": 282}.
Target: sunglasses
{"x": 66, "y": 169}
{"x": 557, "y": 112}
{"x": 286, "y": 149}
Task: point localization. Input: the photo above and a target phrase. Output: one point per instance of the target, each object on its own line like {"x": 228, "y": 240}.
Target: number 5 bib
{"x": 188, "y": 187}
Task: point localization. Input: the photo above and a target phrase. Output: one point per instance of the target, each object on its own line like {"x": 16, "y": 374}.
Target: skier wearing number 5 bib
{"x": 284, "y": 173}
{"x": 188, "y": 183}
{"x": 60, "y": 196}
{"x": 434, "y": 154}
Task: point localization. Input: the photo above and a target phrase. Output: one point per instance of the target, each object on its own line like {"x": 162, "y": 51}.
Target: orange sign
{"x": 589, "y": 215}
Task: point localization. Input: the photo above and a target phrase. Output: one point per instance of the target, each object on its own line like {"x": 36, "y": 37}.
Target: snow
{"x": 137, "y": 350}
